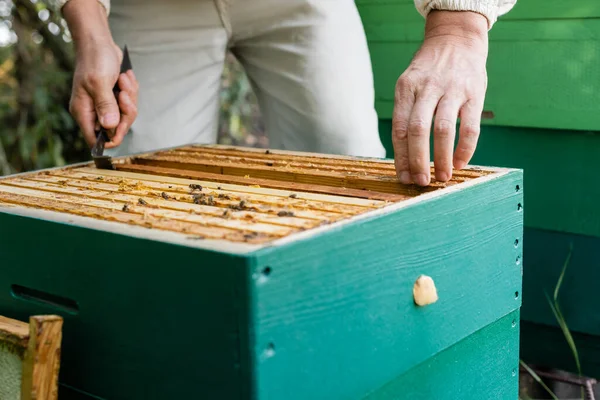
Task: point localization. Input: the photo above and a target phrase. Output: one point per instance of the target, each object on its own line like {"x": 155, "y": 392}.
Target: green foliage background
{"x": 36, "y": 65}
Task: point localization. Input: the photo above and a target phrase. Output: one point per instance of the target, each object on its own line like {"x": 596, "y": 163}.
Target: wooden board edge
{"x": 338, "y": 156}
{"x": 42, "y": 358}
{"x": 394, "y": 207}
{"x": 14, "y": 332}
{"x": 127, "y": 158}
{"x": 38, "y": 171}
{"x": 137, "y": 232}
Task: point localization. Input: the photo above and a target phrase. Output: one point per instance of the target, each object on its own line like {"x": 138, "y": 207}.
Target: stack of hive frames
{"x": 220, "y": 193}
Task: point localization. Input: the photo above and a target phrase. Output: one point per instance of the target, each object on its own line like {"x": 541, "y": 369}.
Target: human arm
{"x": 446, "y": 80}
{"x": 97, "y": 69}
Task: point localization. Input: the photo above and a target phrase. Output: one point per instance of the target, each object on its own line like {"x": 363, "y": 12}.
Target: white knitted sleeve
{"x": 59, "y": 4}
{"x": 491, "y": 9}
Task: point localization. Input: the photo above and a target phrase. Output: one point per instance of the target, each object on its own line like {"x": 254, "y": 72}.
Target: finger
{"x": 403, "y": 104}
{"x": 129, "y": 113}
{"x": 127, "y": 85}
{"x": 444, "y": 133}
{"x": 105, "y": 102}
{"x": 82, "y": 109}
{"x": 419, "y": 128}
{"x": 470, "y": 121}
{"x": 133, "y": 78}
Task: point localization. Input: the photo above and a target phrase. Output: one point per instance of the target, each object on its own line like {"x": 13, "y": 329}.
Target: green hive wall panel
{"x": 316, "y": 302}
{"x": 487, "y": 360}
{"x": 542, "y": 66}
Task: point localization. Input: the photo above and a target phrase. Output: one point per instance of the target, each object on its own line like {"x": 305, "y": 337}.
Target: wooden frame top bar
{"x": 221, "y": 194}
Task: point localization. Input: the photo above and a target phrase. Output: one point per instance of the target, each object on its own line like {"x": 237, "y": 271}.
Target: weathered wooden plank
{"x": 301, "y": 219}
{"x": 13, "y": 331}
{"x": 184, "y": 193}
{"x": 378, "y": 183}
{"x": 44, "y": 191}
{"x": 271, "y": 159}
{"x": 246, "y": 187}
{"x": 147, "y": 220}
{"x": 280, "y": 160}
{"x": 292, "y": 187}
{"x": 251, "y": 212}
{"x": 42, "y": 359}
{"x": 467, "y": 172}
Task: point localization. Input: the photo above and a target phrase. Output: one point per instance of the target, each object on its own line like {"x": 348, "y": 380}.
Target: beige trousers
{"x": 307, "y": 60}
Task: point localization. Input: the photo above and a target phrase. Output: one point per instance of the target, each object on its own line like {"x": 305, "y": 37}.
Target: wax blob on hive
{"x": 424, "y": 291}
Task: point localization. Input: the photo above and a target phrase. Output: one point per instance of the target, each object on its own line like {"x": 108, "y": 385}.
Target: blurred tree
{"x": 240, "y": 122}
{"x": 36, "y": 65}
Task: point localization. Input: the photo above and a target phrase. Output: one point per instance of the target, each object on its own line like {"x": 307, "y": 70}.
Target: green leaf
{"x": 562, "y": 274}
{"x": 539, "y": 380}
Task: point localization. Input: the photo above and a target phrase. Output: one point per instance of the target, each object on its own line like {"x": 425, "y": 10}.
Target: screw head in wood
{"x": 424, "y": 291}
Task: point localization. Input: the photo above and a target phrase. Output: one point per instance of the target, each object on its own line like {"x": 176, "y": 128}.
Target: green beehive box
{"x": 211, "y": 272}
{"x": 544, "y": 93}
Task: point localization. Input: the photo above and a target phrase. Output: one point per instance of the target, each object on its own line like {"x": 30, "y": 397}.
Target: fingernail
{"x": 442, "y": 176}
{"x": 109, "y": 119}
{"x": 405, "y": 177}
{"x": 420, "y": 179}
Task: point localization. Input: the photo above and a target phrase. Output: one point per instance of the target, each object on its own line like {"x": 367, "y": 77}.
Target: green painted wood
{"x": 560, "y": 169}
{"x": 68, "y": 393}
{"x": 561, "y": 174}
{"x": 482, "y": 366}
{"x": 155, "y": 321}
{"x": 546, "y": 346}
{"x": 545, "y": 253}
{"x": 333, "y": 318}
{"x": 542, "y": 73}
{"x": 336, "y": 311}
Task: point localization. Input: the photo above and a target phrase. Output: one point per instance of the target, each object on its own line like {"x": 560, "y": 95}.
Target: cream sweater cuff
{"x": 490, "y": 9}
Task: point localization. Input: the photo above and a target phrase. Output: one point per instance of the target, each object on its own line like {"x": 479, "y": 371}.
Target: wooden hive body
{"x": 288, "y": 275}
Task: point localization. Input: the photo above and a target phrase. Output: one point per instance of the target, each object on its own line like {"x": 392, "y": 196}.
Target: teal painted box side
{"x": 324, "y": 315}
{"x": 336, "y": 312}
{"x": 154, "y": 320}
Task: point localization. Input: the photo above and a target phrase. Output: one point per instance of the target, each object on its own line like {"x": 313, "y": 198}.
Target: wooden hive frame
{"x": 232, "y": 197}
{"x": 36, "y": 347}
